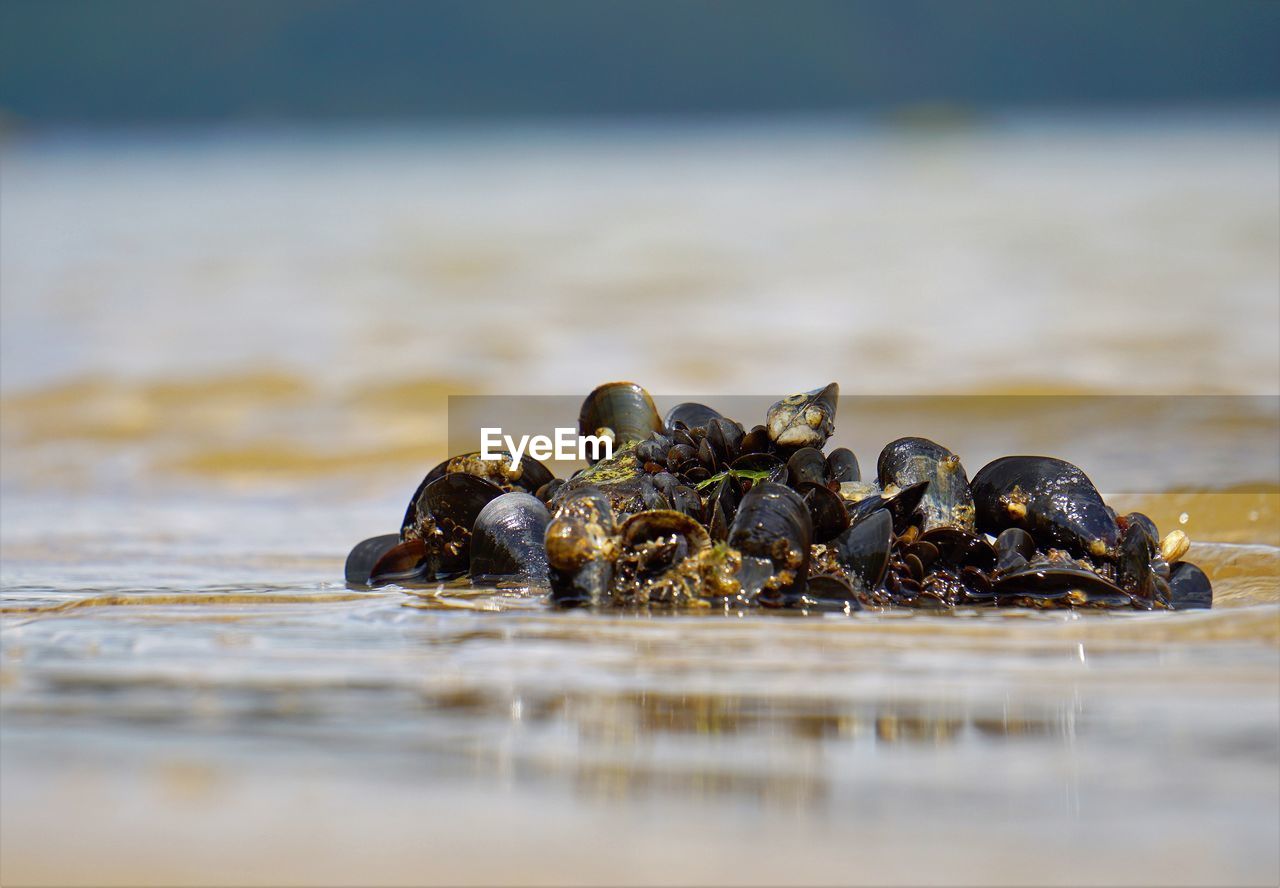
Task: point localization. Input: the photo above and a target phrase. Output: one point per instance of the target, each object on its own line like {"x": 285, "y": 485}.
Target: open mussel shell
{"x": 842, "y": 466}
{"x": 863, "y": 549}
{"x": 773, "y": 522}
{"x": 365, "y": 554}
{"x": 826, "y": 510}
{"x": 804, "y": 420}
{"x": 1049, "y": 498}
{"x": 645, "y": 527}
{"x": 947, "y": 501}
{"x": 1189, "y": 587}
{"x": 691, "y": 415}
{"x": 622, "y": 411}
{"x": 508, "y": 539}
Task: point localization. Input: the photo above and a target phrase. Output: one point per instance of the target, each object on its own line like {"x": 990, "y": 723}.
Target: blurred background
{"x": 248, "y": 250}
{"x": 262, "y": 238}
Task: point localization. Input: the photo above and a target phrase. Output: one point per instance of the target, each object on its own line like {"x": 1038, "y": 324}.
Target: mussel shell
{"x": 804, "y": 420}
{"x": 725, "y": 436}
{"x": 621, "y": 410}
{"x": 1153, "y": 533}
{"x": 947, "y": 502}
{"x": 686, "y": 499}
{"x": 904, "y": 504}
{"x": 653, "y": 449}
{"x": 1049, "y": 498}
{"x": 825, "y": 589}
{"x": 580, "y": 529}
{"x": 529, "y": 473}
{"x": 408, "y": 561}
{"x": 1189, "y": 587}
{"x": 648, "y": 526}
{"x": 692, "y": 414}
{"x": 775, "y": 469}
{"x": 1133, "y": 565}
{"x": 1053, "y": 582}
{"x": 450, "y": 504}
{"x": 365, "y": 554}
{"x": 773, "y": 522}
{"x": 826, "y": 510}
{"x": 508, "y": 539}
{"x": 960, "y": 548}
{"x": 578, "y": 543}
{"x": 756, "y": 441}
{"x": 1014, "y": 548}
{"x": 806, "y": 466}
{"x": 864, "y": 548}
{"x": 842, "y": 466}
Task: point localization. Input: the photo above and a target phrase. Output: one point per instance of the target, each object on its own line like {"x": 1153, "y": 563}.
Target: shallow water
{"x": 200, "y": 418}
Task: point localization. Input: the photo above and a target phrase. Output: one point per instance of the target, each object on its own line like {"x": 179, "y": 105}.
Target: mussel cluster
{"x": 695, "y": 509}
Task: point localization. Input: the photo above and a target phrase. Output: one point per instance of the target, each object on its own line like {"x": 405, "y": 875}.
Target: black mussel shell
{"x": 773, "y": 522}
{"x": 365, "y": 554}
{"x": 826, "y": 510}
{"x": 804, "y": 420}
{"x": 577, "y": 544}
{"x": 620, "y": 410}
{"x": 842, "y": 466}
{"x": 833, "y": 589}
{"x": 806, "y": 466}
{"x": 864, "y": 548}
{"x": 1153, "y": 533}
{"x": 1133, "y": 566}
{"x": 1055, "y": 581}
{"x": 1014, "y": 548}
{"x": 509, "y": 539}
{"x": 686, "y": 499}
{"x": 756, "y": 441}
{"x": 666, "y": 482}
{"x": 653, "y": 449}
{"x": 408, "y": 561}
{"x": 947, "y": 502}
{"x": 725, "y": 437}
{"x": 1189, "y": 587}
{"x": 755, "y": 463}
{"x": 650, "y": 496}
{"x": 692, "y": 414}
{"x": 960, "y": 548}
{"x": 904, "y": 504}
{"x": 1049, "y": 498}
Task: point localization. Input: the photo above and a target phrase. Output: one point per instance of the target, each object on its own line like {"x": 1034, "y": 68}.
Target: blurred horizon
{"x": 141, "y": 62}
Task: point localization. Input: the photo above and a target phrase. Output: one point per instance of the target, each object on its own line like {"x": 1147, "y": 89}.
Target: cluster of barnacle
{"x": 695, "y": 509}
